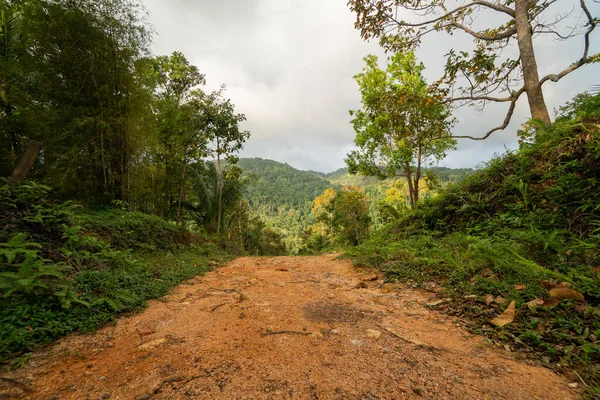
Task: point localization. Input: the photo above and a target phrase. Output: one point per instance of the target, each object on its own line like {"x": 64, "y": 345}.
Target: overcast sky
{"x": 288, "y": 65}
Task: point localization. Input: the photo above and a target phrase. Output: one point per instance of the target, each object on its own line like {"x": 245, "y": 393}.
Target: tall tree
{"x": 12, "y": 54}
{"x": 402, "y": 123}
{"x": 323, "y": 211}
{"x": 351, "y": 215}
{"x": 76, "y": 91}
{"x": 482, "y": 75}
{"x": 203, "y": 203}
{"x": 220, "y": 127}
{"x": 175, "y": 83}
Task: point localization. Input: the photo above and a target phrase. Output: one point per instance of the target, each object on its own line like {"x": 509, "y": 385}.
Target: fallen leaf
{"x": 506, "y": 317}
{"x": 566, "y": 293}
{"x": 487, "y": 272}
{"x": 499, "y": 299}
{"x": 372, "y": 333}
{"x": 551, "y": 302}
{"x": 540, "y": 328}
{"x": 145, "y": 331}
{"x": 489, "y": 299}
{"x": 535, "y": 302}
{"x": 547, "y": 284}
{"x": 470, "y": 296}
{"x": 152, "y": 344}
{"x": 436, "y": 303}
{"x": 520, "y": 286}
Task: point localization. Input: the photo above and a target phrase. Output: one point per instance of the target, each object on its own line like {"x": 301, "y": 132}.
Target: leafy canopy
{"x": 402, "y": 123}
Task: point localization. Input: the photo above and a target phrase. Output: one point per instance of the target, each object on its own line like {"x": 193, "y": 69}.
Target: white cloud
{"x": 288, "y": 65}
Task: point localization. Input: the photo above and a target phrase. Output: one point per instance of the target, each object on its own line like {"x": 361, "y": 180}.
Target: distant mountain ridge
{"x": 283, "y": 185}
{"x": 283, "y": 195}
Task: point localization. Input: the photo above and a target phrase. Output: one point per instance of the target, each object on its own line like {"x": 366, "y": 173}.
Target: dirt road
{"x": 284, "y": 328}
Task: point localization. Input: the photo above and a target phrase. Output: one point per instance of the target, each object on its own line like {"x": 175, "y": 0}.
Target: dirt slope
{"x": 283, "y": 328}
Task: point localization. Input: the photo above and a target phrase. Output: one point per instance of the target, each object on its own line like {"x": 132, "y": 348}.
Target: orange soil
{"x": 283, "y": 328}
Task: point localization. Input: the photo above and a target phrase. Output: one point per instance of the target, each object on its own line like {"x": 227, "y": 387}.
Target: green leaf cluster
{"x": 402, "y": 124}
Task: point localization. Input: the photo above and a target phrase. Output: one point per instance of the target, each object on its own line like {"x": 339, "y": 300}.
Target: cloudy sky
{"x": 288, "y": 65}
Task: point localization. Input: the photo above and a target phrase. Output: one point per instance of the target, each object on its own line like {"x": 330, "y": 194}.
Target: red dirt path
{"x": 220, "y": 337}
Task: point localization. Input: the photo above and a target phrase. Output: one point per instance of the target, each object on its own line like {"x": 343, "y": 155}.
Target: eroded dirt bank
{"x": 283, "y": 328}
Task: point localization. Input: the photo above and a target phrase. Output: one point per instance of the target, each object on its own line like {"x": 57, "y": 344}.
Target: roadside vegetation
{"x": 134, "y": 184}
{"x": 526, "y": 228}
{"x": 64, "y": 270}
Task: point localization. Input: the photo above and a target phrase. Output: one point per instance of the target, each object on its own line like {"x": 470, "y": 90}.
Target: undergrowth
{"x": 528, "y": 222}
{"x": 64, "y": 270}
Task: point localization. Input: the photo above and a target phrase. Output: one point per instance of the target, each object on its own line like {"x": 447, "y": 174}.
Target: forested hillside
{"x": 279, "y": 184}
{"x": 284, "y": 196}
{"x": 445, "y": 175}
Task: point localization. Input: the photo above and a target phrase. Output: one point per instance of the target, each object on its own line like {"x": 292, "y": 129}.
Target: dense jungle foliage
{"x": 118, "y": 124}
{"x": 282, "y": 196}
{"x": 524, "y": 228}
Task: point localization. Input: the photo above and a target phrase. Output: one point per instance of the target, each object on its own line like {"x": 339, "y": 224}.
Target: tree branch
{"x": 509, "y": 114}
{"x": 592, "y": 24}
{"x": 479, "y": 98}
{"x": 555, "y": 33}
{"x": 484, "y": 36}
{"x": 570, "y": 68}
{"x": 497, "y": 7}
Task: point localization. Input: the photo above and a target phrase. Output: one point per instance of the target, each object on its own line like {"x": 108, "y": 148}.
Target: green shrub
{"x": 134, "y": 230}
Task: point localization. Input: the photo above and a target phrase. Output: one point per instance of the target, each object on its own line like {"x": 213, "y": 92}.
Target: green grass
{"x": 466, "y": 265}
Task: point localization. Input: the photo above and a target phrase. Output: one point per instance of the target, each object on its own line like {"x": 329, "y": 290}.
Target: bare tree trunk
{"x": 220, "y": 190}
{"x": 13, "y": 136}
{"x": 240, "y": 225}
{"x": 418, "y": 174}
{"x": 102, "y": 157}
{"x": 180, "y": 194}
{"x": 411, "y": 190}
{"x": 535, "y": 96}
{"x": 25, "y": 163}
